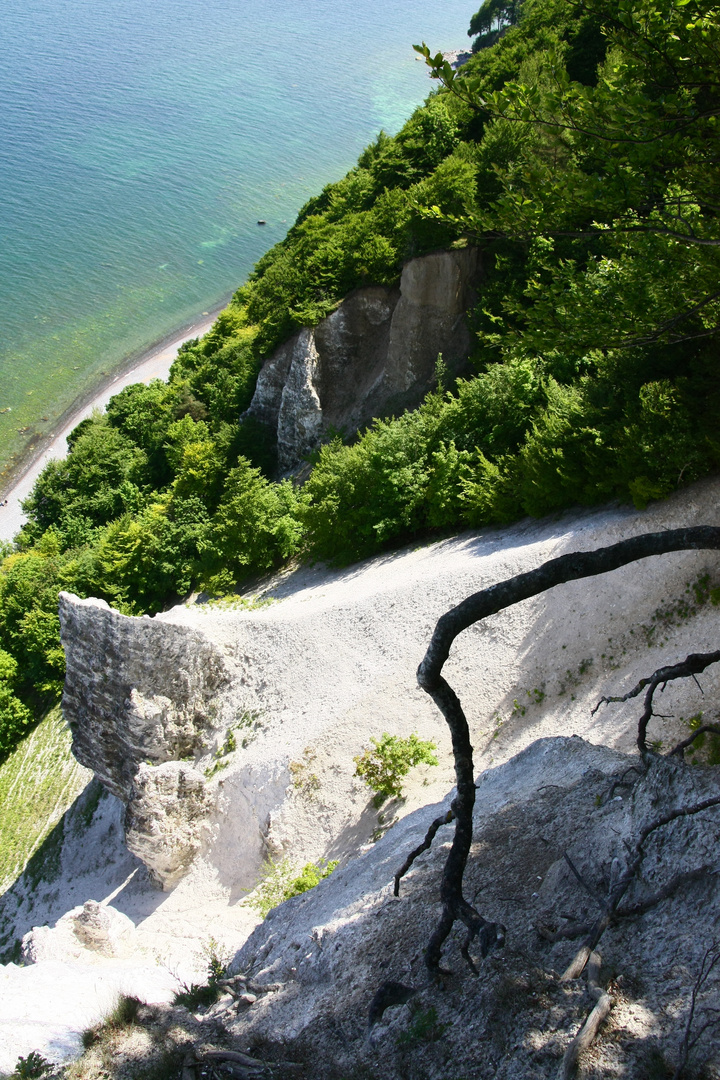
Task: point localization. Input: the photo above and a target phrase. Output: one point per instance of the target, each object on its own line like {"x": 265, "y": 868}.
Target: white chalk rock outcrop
{"x": 165, "y": 818}
{"x": 97, "y": 928}
{"x": 139, "y": 696}
{"x": 375, "y": 355}
{"x": 136, "y": 691}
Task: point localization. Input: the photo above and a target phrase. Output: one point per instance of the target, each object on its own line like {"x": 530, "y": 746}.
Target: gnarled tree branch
{"x": 444, "y": 819}
{"x": 489, "y": 601}
{"x": 692, "y": 665}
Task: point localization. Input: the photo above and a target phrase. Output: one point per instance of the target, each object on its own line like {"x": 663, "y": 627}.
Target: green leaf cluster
{"x": 281, "y": 881}
{"x": 386, "y": 763}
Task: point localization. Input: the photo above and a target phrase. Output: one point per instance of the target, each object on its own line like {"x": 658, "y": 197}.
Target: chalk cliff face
{"x": 374, "y": 356}
{"x": 165, "y": 818}
{"x": 139, "y": 697}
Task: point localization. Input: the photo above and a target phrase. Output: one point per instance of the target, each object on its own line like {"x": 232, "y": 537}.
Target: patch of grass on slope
{"x": 38, "y": 782}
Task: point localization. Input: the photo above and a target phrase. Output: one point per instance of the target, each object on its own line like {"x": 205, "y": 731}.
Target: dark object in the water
{"x": 262, "y": 222}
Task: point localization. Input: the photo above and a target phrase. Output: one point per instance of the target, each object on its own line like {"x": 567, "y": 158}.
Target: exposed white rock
{"x": 165, "y": 818}
{"x": 98, "y": 928}
{"x": 135, "y": 692}
{"x": 300, "y": 416}
{"x": 373, "y": 356}
{"x": 46, "y": 1006}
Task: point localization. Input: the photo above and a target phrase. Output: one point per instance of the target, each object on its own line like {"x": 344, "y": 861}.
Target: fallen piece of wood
{"x": 585, "y": 1036}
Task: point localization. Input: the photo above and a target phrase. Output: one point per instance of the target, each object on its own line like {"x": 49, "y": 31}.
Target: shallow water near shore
{"x": 142, "y": 144}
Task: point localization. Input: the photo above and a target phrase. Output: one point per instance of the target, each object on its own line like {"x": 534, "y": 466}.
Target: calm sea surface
{"x": 141, "y": 141}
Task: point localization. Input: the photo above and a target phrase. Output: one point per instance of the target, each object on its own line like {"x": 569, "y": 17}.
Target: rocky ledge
{"x": 142, "y": 699}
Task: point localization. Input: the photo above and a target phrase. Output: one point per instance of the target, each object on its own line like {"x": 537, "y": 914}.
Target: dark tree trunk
{"x": 488, "y": 601}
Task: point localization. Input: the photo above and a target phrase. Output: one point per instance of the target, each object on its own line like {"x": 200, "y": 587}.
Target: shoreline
{"x": 152, "y": 363}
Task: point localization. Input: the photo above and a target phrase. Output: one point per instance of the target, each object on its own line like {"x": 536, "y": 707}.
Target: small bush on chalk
{"x": 281, "y": 881}
{"x": 384, "y": 766}
{"x": 32, "y": 1066}
{"x": 204, "y": 994}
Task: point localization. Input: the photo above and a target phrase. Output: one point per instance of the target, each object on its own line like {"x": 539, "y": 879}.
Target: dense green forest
{"x": 579, "y": 149}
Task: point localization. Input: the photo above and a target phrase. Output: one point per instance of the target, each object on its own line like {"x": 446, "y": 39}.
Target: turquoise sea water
{"x": 141, "y": 142}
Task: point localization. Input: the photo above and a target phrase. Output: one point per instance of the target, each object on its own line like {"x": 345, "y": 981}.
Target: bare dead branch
{"x": 622, "y": 782}
{"x": 243, "y": 983}
{"x": 568, "y": 932}
{"x": 243, "y": 1066}
{"x": 588, "y": 888}
{"x": 444, "y": 819}
{"x": 673, "y": 815}
{"x": 681, "y": 747}
{"x": 575, "y": 929}
{"x": 708, "y": 964}
{"x": 691, "y": 666}
{"x": 620, "y": 887}
{"x": 629, "y": 911}
{"x": 576, "y": 967}
{"x": 480, "y": 605}
{"x": 603, "y": 1004}
{"x": 237, "y": 1064}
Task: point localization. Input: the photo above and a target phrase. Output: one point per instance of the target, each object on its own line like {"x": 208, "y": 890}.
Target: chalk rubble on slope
{"x": 326, "y": 953}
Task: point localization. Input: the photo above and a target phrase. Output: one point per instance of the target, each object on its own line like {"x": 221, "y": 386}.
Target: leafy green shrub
{"x": 32, "y": 1067}
{"x": 203, "y": 994}
{"x": 194, "y": 995}
{"x": 310, "y": 876}
{"x": 281, "y": 881}
{"x": 15, "y": 720}
{"x": 387, "y": 763}
{"x": 255, "y": 527}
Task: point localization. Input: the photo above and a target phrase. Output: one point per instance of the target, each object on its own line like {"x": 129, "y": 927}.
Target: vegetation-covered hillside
{"x": 579, "y": 149}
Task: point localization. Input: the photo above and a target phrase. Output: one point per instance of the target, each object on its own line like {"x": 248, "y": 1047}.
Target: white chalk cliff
{"x": 375, "y": 355}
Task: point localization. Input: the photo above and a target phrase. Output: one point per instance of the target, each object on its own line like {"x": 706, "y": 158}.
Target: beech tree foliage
{"x": 627, "y": 168}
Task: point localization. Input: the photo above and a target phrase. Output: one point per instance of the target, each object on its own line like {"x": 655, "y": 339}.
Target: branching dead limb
{"x": 679, "y": 750}
{"x": 647, "y": 903}
{"x": 570, "y": 567}
{"x": 444, "y": 819}
{"x": 618, "y": 889}
{"x": 588, "y": 888}
{"x": 710, "y": 961}
{"x": 691, "y": 666}
{"x": 620, "y": 781}
{"x": 568, "y": 932}
{"x": 588, "y": 956}
{"x": 626, "y": 911}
